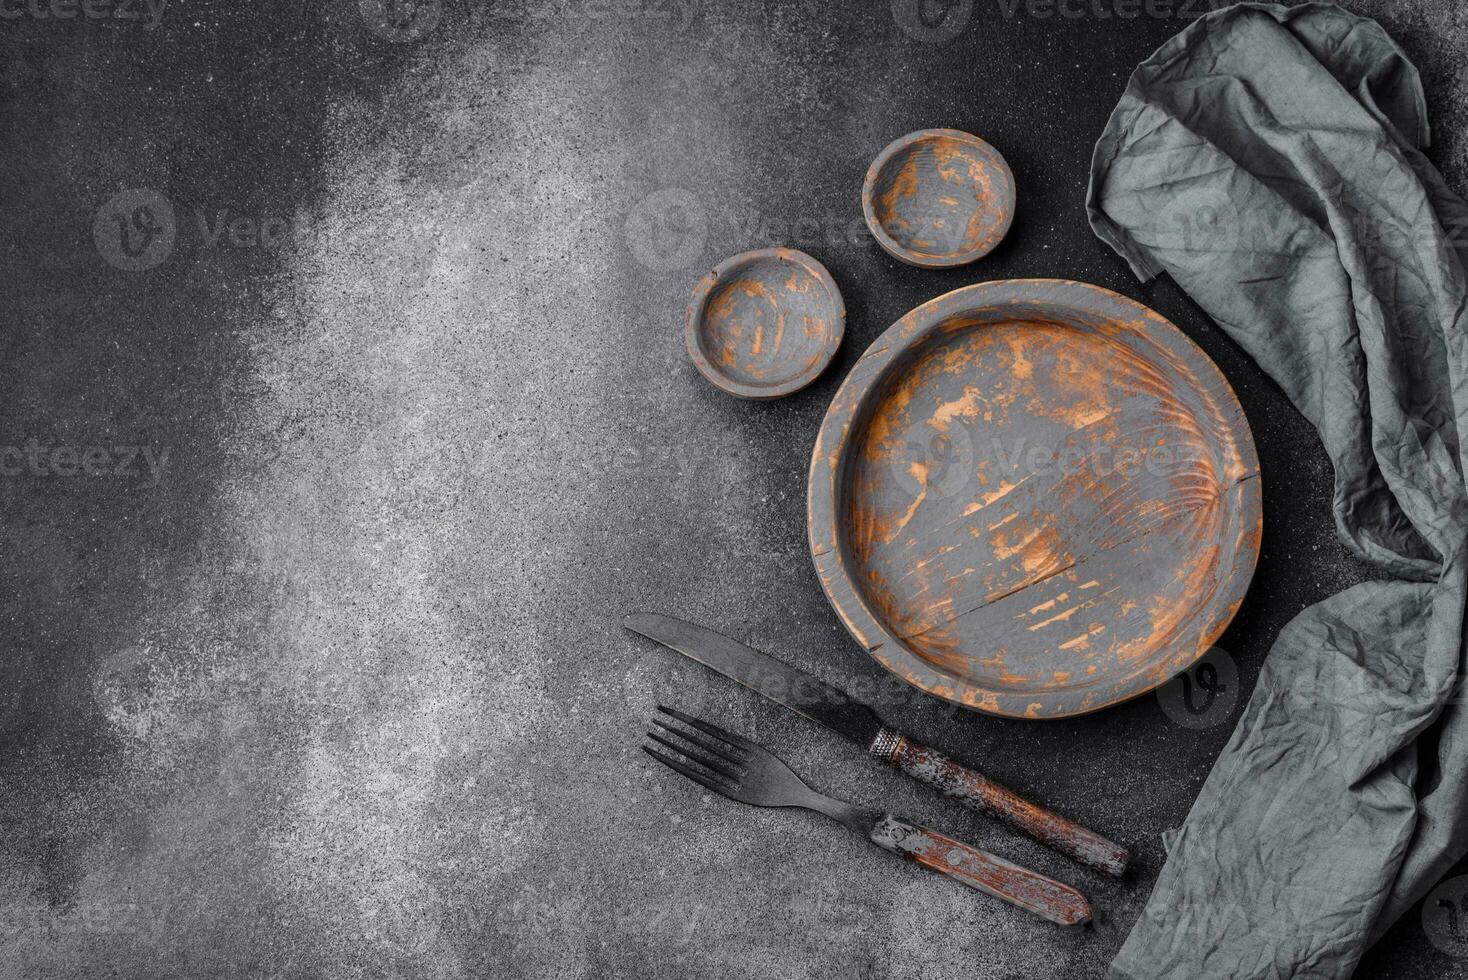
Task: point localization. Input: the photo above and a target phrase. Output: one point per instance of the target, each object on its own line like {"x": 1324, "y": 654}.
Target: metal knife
{"x": 819, "y": 701}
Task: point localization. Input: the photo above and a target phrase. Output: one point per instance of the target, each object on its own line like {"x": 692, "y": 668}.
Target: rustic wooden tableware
{"x": 1035, "y": 498}
{"x": 749, "y": 773}
{"x": 765, "y": 323}
{"x": 938, "y": 198}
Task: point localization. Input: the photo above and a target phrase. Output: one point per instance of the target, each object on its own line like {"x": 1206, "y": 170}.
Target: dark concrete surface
{"x": 329, "y": 681}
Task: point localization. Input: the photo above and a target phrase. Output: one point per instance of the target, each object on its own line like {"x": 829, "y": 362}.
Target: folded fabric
{"x": 1268, "y": 159}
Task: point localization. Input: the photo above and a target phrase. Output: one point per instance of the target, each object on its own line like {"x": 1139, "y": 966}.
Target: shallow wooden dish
{"x": 982, "y": 523}
{"x": 938, "y": 198}
{"x": 765, "y": 323}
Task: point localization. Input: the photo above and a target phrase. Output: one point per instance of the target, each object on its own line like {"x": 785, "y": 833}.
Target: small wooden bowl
{"x": 938, "y": 198}
{"x": 765, "y": 323}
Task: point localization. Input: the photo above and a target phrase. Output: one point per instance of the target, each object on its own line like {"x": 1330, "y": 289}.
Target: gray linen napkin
{"x": 1267, "y": 158}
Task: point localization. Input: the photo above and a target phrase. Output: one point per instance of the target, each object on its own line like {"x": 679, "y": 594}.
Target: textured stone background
{"x": 340, "y": 690}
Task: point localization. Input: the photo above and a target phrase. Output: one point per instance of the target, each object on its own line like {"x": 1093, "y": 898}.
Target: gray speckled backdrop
{"x": 336, "y": 687}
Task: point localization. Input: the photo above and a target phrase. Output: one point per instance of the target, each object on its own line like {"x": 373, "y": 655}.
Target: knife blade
{"x": 820, "y": 702}
{"x": 795, "y": 689}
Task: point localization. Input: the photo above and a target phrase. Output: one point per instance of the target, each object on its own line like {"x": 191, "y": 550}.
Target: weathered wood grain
{"x": 980, "y": 793}
{"x": 763, "y": 324}
{"x": 938, "y": 198}
{"x": 983, "y": 872}
{"x": 1035, "y": 498}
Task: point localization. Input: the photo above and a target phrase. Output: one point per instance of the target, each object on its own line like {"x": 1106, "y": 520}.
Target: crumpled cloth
{"x": 1267, "y": 158}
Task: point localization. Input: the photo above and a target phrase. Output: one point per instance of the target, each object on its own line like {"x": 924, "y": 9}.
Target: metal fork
{"x": 741, "y": 770}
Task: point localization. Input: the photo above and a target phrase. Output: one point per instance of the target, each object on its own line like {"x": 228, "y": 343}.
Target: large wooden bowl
{"x": 1035, "y": 498}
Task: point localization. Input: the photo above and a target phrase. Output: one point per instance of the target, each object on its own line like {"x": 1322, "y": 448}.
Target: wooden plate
{"x": 1035, "y": 498}
{"x": 766, "y": 323}
{"x": 938, "y": 198}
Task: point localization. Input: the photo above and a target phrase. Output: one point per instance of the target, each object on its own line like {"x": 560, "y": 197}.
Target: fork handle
{"x": 980, "y": 793}
{"x": 983, "y": 872}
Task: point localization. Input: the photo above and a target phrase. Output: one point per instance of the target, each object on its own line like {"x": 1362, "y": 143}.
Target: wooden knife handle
{"x": 983, "y": 794}
{"x": 984, "y": 872}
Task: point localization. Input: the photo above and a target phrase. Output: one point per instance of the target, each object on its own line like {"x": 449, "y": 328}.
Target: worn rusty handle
{"x": 983, "y": 794}
{"x": 983, "y": 872}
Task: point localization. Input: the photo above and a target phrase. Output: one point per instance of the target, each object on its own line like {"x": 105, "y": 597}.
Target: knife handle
{"x": 983, "y": 794}
{"x": 981, "y": 871}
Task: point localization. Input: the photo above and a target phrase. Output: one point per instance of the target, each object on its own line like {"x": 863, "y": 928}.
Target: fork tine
{"x": 719, "y": 767}
{"x": 692, "y": 774}
{"x": 728, "y": 754}
{"x": 739, "y": 743}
